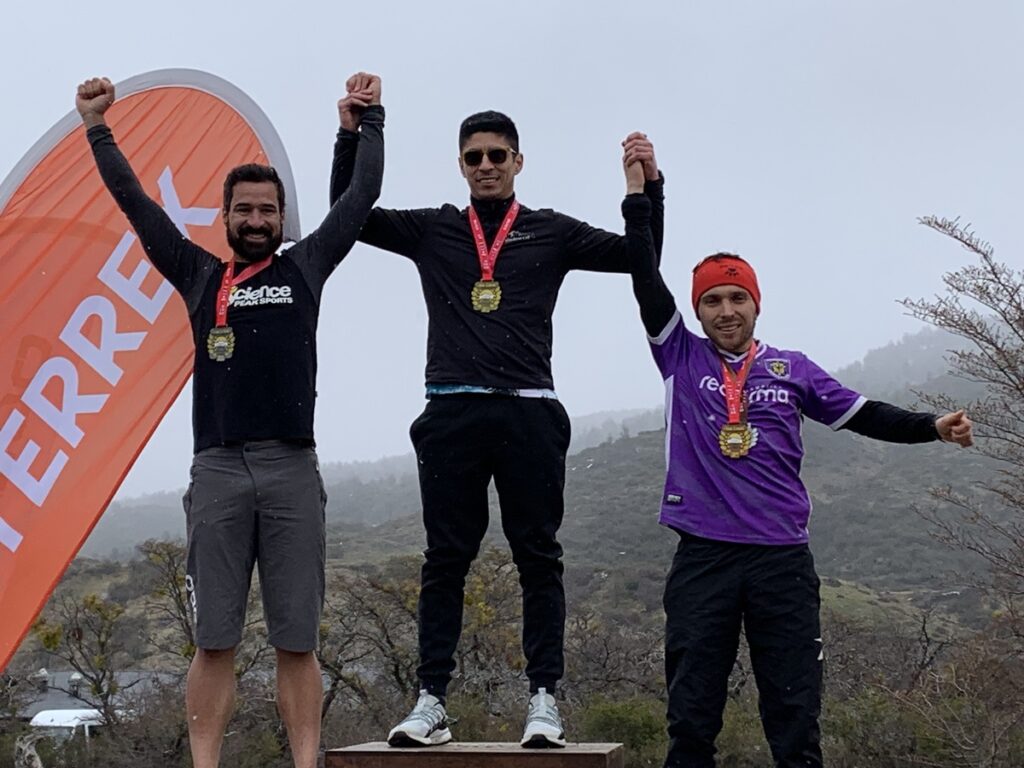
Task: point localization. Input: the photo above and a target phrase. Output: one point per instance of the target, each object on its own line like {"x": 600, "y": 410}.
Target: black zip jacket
{"x": 509, "y": 348}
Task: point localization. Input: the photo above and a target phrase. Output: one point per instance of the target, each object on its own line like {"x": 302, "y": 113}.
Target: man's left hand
{"x": 956, "y": 428}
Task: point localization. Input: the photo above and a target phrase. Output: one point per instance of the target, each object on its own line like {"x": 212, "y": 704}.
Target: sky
{"x": 805, "y": 135}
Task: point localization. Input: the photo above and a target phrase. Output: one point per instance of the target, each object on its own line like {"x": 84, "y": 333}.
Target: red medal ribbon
{"x": 489, "y": 258}
{"x": 733, "y": 385}
{"x": 230, "y": 280}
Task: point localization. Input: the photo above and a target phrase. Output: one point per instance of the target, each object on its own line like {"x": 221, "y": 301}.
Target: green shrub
{"x": 639, "y": 724}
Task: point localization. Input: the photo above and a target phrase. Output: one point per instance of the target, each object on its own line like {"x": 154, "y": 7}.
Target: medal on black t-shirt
{"x": 737, "y": 437}
{"x": 486, "y": 293}
{"x": 220, "y": 342}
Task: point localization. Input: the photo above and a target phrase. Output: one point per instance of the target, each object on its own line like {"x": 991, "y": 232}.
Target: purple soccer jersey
{"x": 758, "y": 498}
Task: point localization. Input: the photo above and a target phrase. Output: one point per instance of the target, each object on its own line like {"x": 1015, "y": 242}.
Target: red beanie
{"x": 724, "y": 269}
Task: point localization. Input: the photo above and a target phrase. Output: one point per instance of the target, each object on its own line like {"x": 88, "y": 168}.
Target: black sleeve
{"x": 655, "y": 191}
{"x": 343, "y": 163}
{"x": 392, "y": 230}
{"x": 177, "y": 258}
{"x": 596, "y": 250}
{"x": 893, "y": 424}
{"x": 318, "y": 254}
{"x": 657, "y": 305}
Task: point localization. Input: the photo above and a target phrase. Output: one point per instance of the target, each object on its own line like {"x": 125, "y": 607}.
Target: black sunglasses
{"x": 497, "y": 156}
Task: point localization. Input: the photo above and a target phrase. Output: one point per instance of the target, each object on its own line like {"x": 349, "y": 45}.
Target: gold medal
{"x": 736, "y": 440}
{"x": 486, "y": 295}
{"x": 737, "y": 437}
{"x": 221, "y": 343}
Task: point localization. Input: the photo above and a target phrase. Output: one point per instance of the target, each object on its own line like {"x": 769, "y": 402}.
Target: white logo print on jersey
{"x": 759, "y": 394}
{"x": 253, "y": 297}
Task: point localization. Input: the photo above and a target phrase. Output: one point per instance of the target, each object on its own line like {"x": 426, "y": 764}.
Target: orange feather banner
{"x": 96, "y": 345}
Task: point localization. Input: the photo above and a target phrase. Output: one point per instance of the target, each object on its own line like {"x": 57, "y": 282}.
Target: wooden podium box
{"x": 476, "y": 755}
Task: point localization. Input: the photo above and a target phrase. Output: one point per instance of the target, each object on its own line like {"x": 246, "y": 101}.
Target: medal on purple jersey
{"x": 486, "y": 293}
{"x": 220, "y": 342}
{"x": 736, "y": 437}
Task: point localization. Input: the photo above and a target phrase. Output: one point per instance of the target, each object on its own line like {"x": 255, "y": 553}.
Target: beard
{"x": 248, "y": 251}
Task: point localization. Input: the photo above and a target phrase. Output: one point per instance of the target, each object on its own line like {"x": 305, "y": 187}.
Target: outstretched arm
{"x": 657, "y": 305}
{"x": 883, "y": 421}
{"x": 168, "y": 249}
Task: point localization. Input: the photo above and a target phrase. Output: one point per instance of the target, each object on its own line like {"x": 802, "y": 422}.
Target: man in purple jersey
{"x": 733, "y": 493}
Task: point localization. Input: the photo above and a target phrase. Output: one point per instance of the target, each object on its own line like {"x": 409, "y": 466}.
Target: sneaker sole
{"x": 540, "y": 741}
{"x": 403, "y": 739}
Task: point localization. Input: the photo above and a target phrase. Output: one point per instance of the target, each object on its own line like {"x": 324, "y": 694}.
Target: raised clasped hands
{"x": 361, "y": 91}
{"x": 638, "y": 161}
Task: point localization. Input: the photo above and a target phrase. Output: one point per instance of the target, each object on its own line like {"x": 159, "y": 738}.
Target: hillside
{"x": 864, "y": 527}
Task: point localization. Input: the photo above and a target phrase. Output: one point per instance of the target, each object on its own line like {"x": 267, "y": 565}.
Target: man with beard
{"x": 256, "y": 495}
{"x": 491, "y": 274}
{"x": 733, "y": 493}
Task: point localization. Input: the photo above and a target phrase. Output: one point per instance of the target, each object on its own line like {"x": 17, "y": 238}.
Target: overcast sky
{"x": 806, "y": 135}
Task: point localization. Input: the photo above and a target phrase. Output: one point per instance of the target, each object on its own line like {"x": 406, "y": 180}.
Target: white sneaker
{"x": 425, "y": 726}
{"x": 543, "y": 725}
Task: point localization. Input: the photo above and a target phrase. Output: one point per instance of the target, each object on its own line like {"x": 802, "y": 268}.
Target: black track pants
{"x": 461, "y": 442}
{"x": 713, "y": 588}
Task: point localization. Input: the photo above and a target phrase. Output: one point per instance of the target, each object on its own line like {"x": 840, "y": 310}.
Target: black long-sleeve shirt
{"x": 266, "y": 390}
{"x": 509, "y": 348}
{"x": 875, "y": 419}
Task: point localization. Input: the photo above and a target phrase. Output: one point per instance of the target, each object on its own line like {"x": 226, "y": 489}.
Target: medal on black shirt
{"x": 737, "y": 437}
{"x": 486, "y": 293}
{"x": 220, "y": 342}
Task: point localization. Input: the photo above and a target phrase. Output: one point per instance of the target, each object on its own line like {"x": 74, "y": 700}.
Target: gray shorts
{"x": 262, "y": 502}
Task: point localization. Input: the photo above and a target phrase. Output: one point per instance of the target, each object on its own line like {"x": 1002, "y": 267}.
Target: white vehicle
{"x": 63, "y": 724}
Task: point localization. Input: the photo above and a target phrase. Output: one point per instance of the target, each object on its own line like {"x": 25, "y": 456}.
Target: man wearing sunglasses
{"x": 734, "y": 495}
{"x": 491, "y": 274}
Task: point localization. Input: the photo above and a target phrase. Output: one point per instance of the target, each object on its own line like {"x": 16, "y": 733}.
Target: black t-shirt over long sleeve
{"x": 509, "y": 348}
{"x": 267, "y": 388}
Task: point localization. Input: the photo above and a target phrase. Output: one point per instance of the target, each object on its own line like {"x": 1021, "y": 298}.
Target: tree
{"x": 13, "y": 697}
{"x": 169, "y": 610}
{"x": 169, "y": 607}
{"x": 984, "y": 305}
{"x": 369, "y": 638}
{"x": 612, "y": 656}
{"x": 973, "y": 706}
{"x": 368, "y": 642}
{"x": 91, "y": 636}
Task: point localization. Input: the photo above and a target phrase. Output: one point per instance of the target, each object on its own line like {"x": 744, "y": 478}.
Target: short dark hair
{"x": 489, "y": 122}
{"x": 256, "y": 173}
